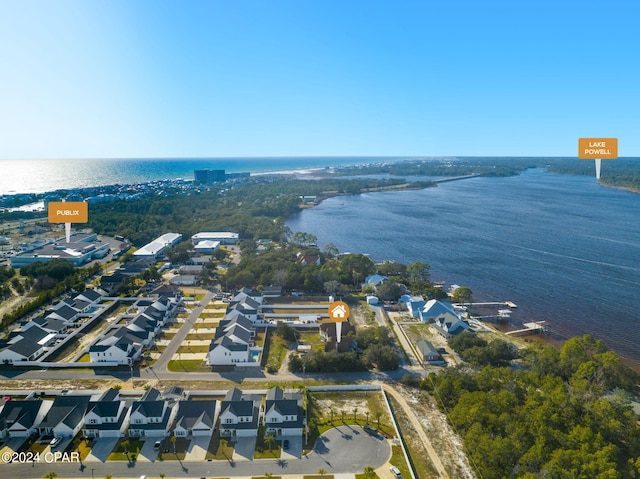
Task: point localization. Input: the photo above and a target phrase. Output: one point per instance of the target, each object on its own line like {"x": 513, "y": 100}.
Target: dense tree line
{"x": 564, "y": 415}
{"x": 254, "y": 210}
{"x": 374, "y": 350}
{"x": 477, "y": 351}
{"x": 447, "y": 167}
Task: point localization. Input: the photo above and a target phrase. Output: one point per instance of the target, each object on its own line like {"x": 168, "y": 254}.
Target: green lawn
{"x": 85, "y": 358}
{"x": 193, "y": 349}
{"x": 312, "y": 338}
{"x": 262, "y": 448}
{"x": 199, "y": 336}
{"x": 83, "y": 446}
{"x": 118, "y": 452}
{"x": 275, "y": 349}
{"x": 188, "y": 366}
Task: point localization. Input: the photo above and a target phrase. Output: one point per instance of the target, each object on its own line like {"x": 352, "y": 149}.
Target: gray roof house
{"x": 106, "y": 417}
{"x": 151, "y": 416}
{"x": 21, "y": 418}
{"x": 66, "y": 416}
{"x": 283, "y": 416}
{"x": 239, "y": 415}
{"x": 195, "y": 418}
{"x": 428, "y": 353}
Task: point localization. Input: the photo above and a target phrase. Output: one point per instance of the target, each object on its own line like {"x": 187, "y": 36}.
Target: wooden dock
{"x": 538, "y": 326}
{"x": 511, "y": 304}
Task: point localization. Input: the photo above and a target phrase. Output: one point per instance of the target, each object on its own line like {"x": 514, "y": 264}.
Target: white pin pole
{"x": 598, "y": 163}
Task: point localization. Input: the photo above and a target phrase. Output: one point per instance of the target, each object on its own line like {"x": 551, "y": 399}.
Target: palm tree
{"x": 51, "y": 475}
{"x": 331, "y": 414}
{"x": 173, "y": 441}
{"x": 322, "y": 472}
{"x": 369, "y": 472}
{"x": 269, "y": 440}
{"x": 355, "y": 413}
{"x": 268, "y": 475}
{"x": 125, "y": 445}
{"x": 342, "y": 413}
{"x": 378, "y": 416}
{"x": 162, "y": 474}
{"x": 108, "y": 476}
{"x": 367, "y": 413}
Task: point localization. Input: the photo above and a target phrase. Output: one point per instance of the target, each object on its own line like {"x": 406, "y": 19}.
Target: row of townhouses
{"x": 154, "y": 415}
{"x": 234, "y": 341}
{"x": 39, "y": 335}
{"x": 124, "y": 343}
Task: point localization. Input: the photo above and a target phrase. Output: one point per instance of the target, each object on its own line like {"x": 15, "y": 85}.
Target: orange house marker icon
{"x": 338, "y": 311}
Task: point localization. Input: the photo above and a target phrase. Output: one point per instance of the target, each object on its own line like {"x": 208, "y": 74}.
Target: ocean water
{"x": 40, "y": 176}
{"x": 563, "y": 248}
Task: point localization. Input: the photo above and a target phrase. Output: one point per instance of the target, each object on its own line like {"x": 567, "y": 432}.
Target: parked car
{"x": 285, "y": 444}
{"x": 396, "y": 472}
{"x": 157, "y": 444}
{"x": 55, "y": 441}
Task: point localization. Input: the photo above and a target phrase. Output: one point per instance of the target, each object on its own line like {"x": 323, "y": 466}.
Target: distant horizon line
{"x": 293, "y": 157}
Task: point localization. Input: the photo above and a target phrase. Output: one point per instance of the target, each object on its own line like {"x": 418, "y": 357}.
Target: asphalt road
{"x": 343, "y": 449}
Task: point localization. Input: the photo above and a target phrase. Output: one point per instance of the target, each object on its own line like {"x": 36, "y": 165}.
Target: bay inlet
{"x": 563, "y": 248}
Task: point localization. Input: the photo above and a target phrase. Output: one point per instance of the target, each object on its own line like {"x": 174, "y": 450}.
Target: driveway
{"x": 101, "y": 449}
{"x": 295, "y": 447}
{"x": 197, "y": 450}
{"x": 13, "y": 444}
{"x": 147, "y": 452}
{"x": 244, "y": 448}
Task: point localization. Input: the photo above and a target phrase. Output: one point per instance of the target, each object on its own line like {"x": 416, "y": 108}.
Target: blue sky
{"x": 85, "y": 79}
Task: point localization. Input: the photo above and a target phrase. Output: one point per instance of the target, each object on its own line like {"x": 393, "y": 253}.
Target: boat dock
{"x": 496, "y": 303}
{"x": 538, "y": 326}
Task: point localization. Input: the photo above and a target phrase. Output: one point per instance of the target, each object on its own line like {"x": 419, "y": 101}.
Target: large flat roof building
{"x": 158, "y": 245}
{"x": 224, "y": 237}
{"x": 82, "y": 248}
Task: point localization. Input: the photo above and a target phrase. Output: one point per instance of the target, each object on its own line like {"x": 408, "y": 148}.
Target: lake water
{"x": 563, "y": 248}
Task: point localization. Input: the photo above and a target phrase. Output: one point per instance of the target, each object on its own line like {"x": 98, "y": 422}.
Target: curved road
{"x": 346, "y": 449}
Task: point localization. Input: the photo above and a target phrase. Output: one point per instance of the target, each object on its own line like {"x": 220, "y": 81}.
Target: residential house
{"x": 248, "y": 293}
{"x": 64, "y": 313}
{"x": 195, "y": 418}
{"x": 434, "y": 309}
{"x": 329, "y": 335}
{"x": 65, "y": 418}
{"x": 234, "y": 343}
{"x": 307, "y": 259}
{"x": 272, "y": 291}
{"x": 51, "y": 325}
{"x": 375, "y": 280}
{"x": 106, "y": 417}
{"x": 21, "y": 418}
{"x": 239, "y": 415}
{"x": 283, "y": 416}
{"x": 90, "y": 296}
{"x": 111, "y": 283}
{"x": 247, "y": 306}
{"x": 151, "y": 416}
{"x": 225, "y": 352}
{"x": 26, "y": 344}
{"x": 429, "y": 354}
{"x": 449, "y": 329}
